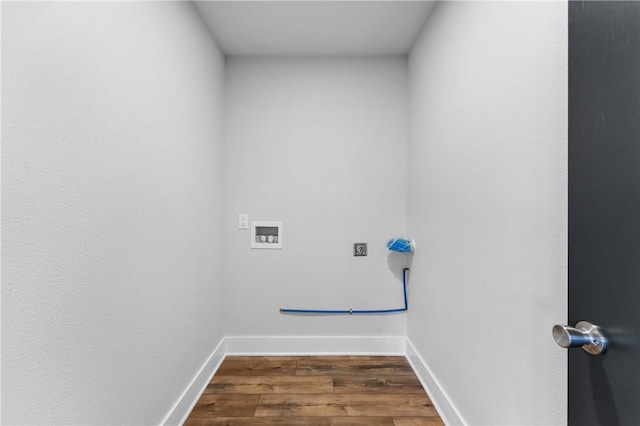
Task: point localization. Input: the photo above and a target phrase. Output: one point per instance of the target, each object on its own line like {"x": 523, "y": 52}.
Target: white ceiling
{"x": 286, "y": 28}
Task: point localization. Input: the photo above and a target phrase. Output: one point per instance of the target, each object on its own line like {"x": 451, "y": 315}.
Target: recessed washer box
{"x": 266, "y": 235}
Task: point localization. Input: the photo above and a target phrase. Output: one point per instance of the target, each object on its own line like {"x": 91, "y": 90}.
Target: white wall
{"x": 488, "y": 207}
{"x": 112, "y": 191}
{"x": 321, "y": 145}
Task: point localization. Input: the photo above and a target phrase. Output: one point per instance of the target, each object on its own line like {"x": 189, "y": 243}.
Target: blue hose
{"x": 355, "y": 311}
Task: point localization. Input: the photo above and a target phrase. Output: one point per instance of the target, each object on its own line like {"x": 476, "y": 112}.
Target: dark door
{"x": 604, "y": 208}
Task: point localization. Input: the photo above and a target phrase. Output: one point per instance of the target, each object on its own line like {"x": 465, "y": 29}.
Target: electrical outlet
{"x": 243, "y": 221}
{"x": 359, "y": 249}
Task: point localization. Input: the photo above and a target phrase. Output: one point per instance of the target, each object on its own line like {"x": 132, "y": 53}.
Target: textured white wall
{"x": 488, "y": 207}
{"x": 321, "y": 145}
{"x": 112, "y": 191}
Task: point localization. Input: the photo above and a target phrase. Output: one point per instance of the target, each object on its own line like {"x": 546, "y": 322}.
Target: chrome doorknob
{"x": 586, "y": 335}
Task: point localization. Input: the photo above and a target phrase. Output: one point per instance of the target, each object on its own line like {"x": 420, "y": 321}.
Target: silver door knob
{"x": 586, "y": 335}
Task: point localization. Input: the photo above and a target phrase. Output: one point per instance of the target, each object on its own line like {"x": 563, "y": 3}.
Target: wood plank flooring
{"x": 314, "y": 391}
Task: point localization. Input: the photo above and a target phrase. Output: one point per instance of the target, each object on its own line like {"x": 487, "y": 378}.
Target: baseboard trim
{"x": 438, "y": 396}
{"x": 315, "y": 345}
{"x": 181, "y": 409}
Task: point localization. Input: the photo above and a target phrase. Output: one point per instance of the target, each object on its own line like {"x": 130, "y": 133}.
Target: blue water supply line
{"x": 355, "y": 311}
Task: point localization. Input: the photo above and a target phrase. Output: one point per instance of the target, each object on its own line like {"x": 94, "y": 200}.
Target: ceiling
{"x": 311, "y": 28}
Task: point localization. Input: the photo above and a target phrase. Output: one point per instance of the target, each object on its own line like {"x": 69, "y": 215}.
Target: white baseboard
{"x": 315, "y": 345}
{"x": 181, "y": 409}
{"x": 438, "y": 397}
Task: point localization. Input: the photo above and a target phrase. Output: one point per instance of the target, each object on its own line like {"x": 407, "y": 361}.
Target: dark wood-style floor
{"x": 314, "y": 391}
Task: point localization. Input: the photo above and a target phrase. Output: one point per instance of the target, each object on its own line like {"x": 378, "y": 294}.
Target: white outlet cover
{"x": 243, "y": 221}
